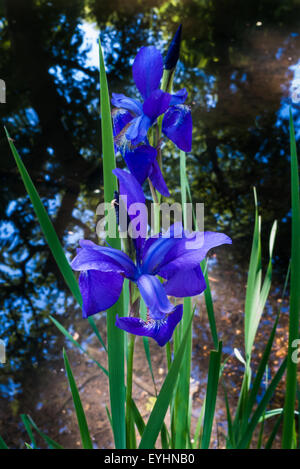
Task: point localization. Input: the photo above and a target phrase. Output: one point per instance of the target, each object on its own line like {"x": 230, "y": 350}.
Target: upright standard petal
{"x": 177, "y": 125}
{"x": 147, "y": 70}
{"x": 156, "y": 104}
{"x": 154, "y": 296}
{"x": 139, "y": 161}
{"x": 99, "y": 290}
{"x": 155, "y": 255}
{"x": 161, "y": 331}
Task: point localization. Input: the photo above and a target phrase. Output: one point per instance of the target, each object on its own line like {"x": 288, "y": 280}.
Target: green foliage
{"x": 82, "y": 424}
{"x": 291, "y": 379}
{"x": 158, "y": 413}
{"x": 115, "y": 337}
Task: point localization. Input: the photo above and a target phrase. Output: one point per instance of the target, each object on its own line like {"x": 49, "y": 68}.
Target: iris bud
{"x": 173, "y": 51}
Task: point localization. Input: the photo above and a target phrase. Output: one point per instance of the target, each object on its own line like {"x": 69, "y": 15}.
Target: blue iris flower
{"x": 173, "y": 256}
{"x": 132, "y": 119}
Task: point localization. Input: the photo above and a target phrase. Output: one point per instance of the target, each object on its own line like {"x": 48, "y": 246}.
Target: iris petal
{"x": 155, "y": 255}
{"x": 104, "y": 259}
{"x": 140, "y": 160}
{"x": 99, "y": 290}
{"x": 161, "y": 331}
{"x": 121, "y": 118}
{"x": 138, "y": 128}
{"x": 184, "y": 283}
{"x": 188, "y": 253}
{"x": 154, "y": 296}
{"x": 147, "y": 70}
{"x": 132, "y": 193}
{"x": 179, "y": 97}
{"x": 156, "y": 104}
{"x": 129, "y": 187}
{"x": 177, "y": 125}
{"x": 130, "y": 104}
{"x": 157, "y": 179}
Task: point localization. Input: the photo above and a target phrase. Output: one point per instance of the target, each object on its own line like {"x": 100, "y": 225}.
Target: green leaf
{"x": 246, "y": 437}
{"x": 274, "y": 432}
{"x": 3, "y": 445}
{"x": 82, "y": 424}
{"x": 207, "y": 292}
{"x": 46, "y": 225}
{"x": 229, "y": 419}
{"x": 97, "y": 333}
{"x": 77, "y": 344}
{"x": 158, "y": 413}
{"x": 183, "y": 386}
{"x": 138, "y": 419}
{"x": 143, "y": 312}
{"x": 291, "y": 378}
{"x": 211, "y": 394}
{"x": 253, "y": 284}
{"x": 51, "y": 443}
{"x": 115, "y": 337}
{"x": 260, "y": 373}
{"x": 27, "y": 426}
{"x": 197, "y": 435}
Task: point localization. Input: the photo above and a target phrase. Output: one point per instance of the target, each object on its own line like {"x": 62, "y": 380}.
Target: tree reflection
{"x": 235, "y": 65}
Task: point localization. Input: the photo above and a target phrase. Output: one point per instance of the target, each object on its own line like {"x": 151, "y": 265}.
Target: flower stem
{"x": 130, "y": 431}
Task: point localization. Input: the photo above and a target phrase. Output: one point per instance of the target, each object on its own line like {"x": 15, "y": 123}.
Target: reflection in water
{"x": 239, "y": 64}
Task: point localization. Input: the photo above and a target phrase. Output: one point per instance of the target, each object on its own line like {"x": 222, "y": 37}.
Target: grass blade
{"x": 183, "y": 386}
{"x": 3, "y": 445}
{"x": 246, "y": 437}
{"x": 51, "y": 443}
{"x": 138, "y": 419}
{"x": 291, "y": 378}
{"x": 82, "y": 424}
{"x": 115, "y": 337}
{"x": 274, "y": 432}
{"x": 230, "y": 438}
{"x": 253, "y": 284}
{"x": 211, "y": 394}
{"x": 46, "y": 225}
{"x": 260, "y": 372}
{"x": 27, "y": 426}
{"x": 143, "y": 312}
{"x": 207, "y": 292}
{"x": 158, "y": 413}
{"x": 77, "y": 344}
{"x": 97, "y": 333}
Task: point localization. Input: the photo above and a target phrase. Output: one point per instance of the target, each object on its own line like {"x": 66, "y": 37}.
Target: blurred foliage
{"x": 235, "y": 64}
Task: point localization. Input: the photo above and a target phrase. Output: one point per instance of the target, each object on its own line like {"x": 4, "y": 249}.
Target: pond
{"x": 240, "y": 65}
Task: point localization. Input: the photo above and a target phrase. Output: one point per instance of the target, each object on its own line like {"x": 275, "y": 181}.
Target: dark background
{"x": 236, "y": 61}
